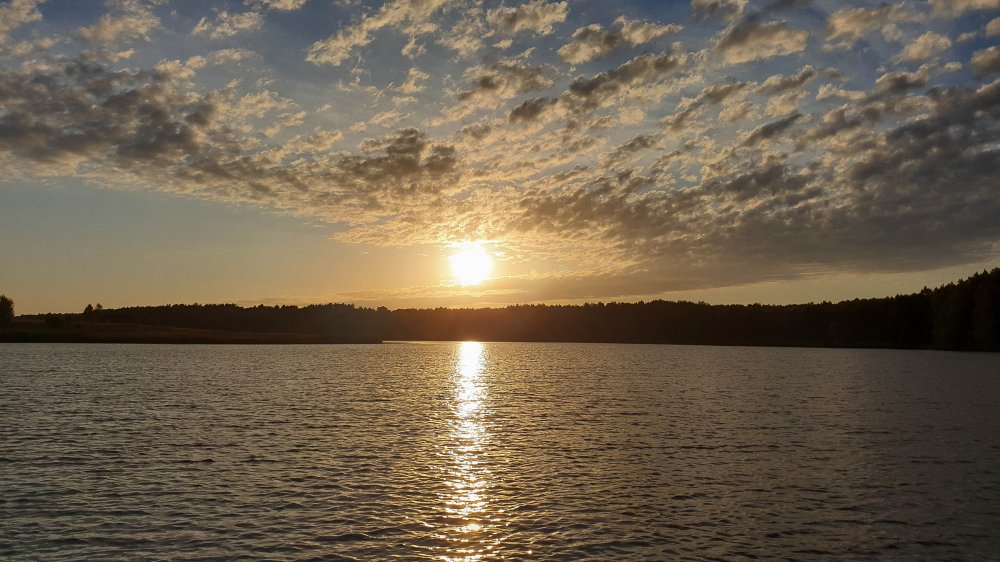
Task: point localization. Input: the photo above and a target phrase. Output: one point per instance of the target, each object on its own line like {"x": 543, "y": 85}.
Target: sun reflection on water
{"x": 466, "y": 504}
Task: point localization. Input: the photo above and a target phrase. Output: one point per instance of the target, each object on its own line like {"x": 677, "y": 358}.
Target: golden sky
{"x": 299, "y": 151}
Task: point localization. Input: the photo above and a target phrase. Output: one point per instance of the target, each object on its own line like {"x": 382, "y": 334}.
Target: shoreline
{"x": 182, "y": 336}
{"x": 22, "y": 331}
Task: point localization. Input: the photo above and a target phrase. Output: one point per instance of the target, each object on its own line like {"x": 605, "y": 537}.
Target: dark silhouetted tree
{"x": 986, "y": 313}
{"x": 962, "y": 315}
{"x": 6, "y": 310}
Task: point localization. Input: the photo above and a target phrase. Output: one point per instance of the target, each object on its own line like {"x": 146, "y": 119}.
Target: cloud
{"x": 227, "y": 24}
{"x": 299, "y": 146}
{"x": 260, "y": 103}
{"x": 414, "y": 82}
{"x": 537, "y": 15}
{"x": 505, "y": 79}
{"x": 594, "y": 41}
{"x": 16, "y": 13}
{"x": 25, "y": 48}
{"x": 392, "y": 14}
{"x": 770, "y": 130}
{"x": 498, "y": 80}
{"x": 229, "y": 55}
{"x": 851, "y": 210}
{"x": 924, "y": 47}
{"x": 771, "y": 177}
{"x": 882, "y": 204}
{"x": 955, "y": 8}
{"x": 144, "y": 127}
{"x": 466, "y": 36}
{"x": 531, "y": 110}
{"x": 779, "y": 84}
{"x": 739, "y": 111}
{"x": 846, "y": 27}
{"x": 986, "y": 61}
{"x": 720, "y": 93}
{"x": 692, "y": 108}
{"x": 785, "y": 103}
{"x": 750, "y": 40}
{"x": 993, "y": 27}
{"x": 634, "y": 145}
{"x": 128, "y": 21}
{"x": 388, "y": 118}
{"x": 99, "y": 113}
{"x": 284, "y": 121}
{"x": 717, "y": 9}
{"x": 587, "y": 94}
{"x": 403, "y": 165}
{"x": 283, "y": 5}
{"x": 900, "y": 81}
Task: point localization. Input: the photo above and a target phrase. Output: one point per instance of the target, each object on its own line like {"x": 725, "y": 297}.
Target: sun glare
{"x": 471, "y": 265}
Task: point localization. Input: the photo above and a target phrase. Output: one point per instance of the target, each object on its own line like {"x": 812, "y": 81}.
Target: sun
{"x": 471, "y": 265}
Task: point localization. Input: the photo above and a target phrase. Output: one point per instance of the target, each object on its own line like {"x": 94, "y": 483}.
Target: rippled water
{"x": 492, "y": 451}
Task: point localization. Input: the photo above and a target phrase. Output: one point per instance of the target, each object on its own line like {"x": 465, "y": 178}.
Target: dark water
{"x": 497, "y": 451}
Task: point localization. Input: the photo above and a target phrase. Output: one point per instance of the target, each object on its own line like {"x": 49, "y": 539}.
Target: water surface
{"x": 468, "y": 451}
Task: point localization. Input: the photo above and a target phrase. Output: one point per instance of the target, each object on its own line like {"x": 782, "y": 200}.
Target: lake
{"x": 470, "y": 451}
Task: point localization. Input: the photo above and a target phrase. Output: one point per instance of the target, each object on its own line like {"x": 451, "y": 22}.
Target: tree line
{"x": 957, "y": 316}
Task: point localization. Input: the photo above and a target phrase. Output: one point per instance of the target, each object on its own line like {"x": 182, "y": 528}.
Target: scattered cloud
{"x": 717, "y": 9}
{"x": 993, "y": 27}
{"x": 506, "y": 79}
{"x": 585, "y": 95}
{"x": 779, "y": 84}
{"x": 692, "y": 108}
{"x": 408, "y": 15}
{"x": 414, "y": 83}
{"x": 738, "y": 112}
{"x": 538, "y": 16}
{"x": 227, "y": 24}
{"x": 592, "y": 92}
{"x": 467, "y": 36}
{"x": 771, "y": 130}
{"x": 144, "y": 125}
{"x": 900, "y": 81}
{"x": 924, "y": 47}
{"x": 283, "y": 5}
{"x": 847, "y": 26}
{"x": 16, "y": 13}
{"x": 955, "y": 8}
{"x": 750, "y": 40}
{"x": 531, "y": 110}
{"x": 986, "y": 61}
{"x": 129, "y": 20}
{"x": 593, "y": 41}
{"x": 26, "y": 48}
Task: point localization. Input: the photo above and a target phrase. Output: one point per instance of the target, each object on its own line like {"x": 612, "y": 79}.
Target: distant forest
{"x": 958, "y": 316}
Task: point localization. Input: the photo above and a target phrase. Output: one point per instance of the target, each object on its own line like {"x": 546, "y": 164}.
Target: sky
{"x": 312, "y": 151}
